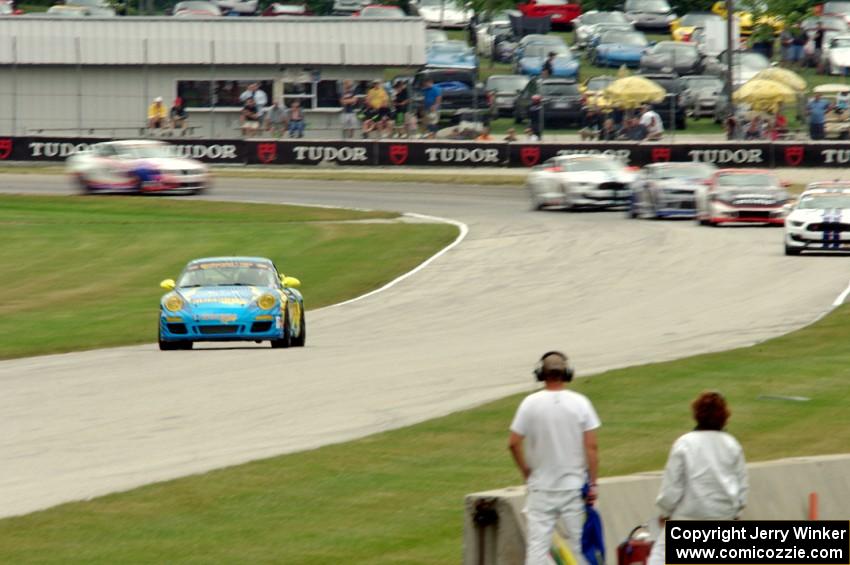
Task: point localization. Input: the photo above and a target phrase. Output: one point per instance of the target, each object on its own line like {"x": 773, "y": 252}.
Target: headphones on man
{"x": 568, "y": 373}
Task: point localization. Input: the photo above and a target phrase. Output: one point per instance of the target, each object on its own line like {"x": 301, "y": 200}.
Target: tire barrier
{"x": 422, "y": 153}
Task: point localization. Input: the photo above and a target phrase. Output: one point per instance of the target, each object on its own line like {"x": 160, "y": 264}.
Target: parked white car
{"x": 444, "y": 13}
{"x": 836, "y": 54}
{"x": 241, "y": 7}
{"x": 142, "y": 166}
{"x": 580, "y": 181}
{"x": 820, "y": 219}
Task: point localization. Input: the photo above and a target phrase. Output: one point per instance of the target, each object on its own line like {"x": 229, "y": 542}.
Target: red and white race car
{"x": 742, "y": 195}
{"x": 137, "y": 167}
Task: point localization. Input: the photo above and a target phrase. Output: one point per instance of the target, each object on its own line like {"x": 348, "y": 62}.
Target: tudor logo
{"x": 329, "y": 153}
{"x": 727, "y": 156}
{"x": 529, "y": 156}
{"x": 794, "y": 155}
{"x": 51, "y": 149}
{"x": 5, "y": 148}
{"x": 462, "y": 155}
{"x": 660, "y": 154}
{"x": 398, "y": 154}
{"x": 267, "y": 152}
{"x": 212, "y": 152}
{"x": 835, "y": 156}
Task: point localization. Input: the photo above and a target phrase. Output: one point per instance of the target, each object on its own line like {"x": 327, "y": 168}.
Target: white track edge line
{"x": 842, "y": 297}
{"x": 464, "y": 230}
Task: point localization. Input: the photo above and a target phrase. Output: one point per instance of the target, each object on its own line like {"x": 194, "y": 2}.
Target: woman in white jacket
{"x": 706, "y": 476}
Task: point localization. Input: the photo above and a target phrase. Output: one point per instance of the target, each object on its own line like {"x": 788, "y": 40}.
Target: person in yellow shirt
{"x": 377, "y": 110}
{"x": 157, "y": 114}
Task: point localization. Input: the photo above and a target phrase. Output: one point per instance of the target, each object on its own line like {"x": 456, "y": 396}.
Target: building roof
{"x": 221, "y": 41}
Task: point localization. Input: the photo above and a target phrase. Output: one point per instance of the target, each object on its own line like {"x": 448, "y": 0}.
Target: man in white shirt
{"x": 258, "y": 96}
{"x": 553, "y": 443}
{"x": 652, "y": 121}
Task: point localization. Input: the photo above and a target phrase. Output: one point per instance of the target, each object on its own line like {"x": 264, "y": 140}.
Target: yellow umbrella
{"x": 631, "y": 92}
{"x": 787, "y": 77}
{"x": 765, "y": 95}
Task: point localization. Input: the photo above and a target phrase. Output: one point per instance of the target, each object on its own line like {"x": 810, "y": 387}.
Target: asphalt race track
{"x": 465, "y": 330}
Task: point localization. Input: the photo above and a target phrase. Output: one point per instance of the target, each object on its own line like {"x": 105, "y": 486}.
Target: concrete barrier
{"x": 494, "y": 526}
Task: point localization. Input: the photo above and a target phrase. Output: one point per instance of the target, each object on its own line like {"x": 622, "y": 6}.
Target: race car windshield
{"x": 824, "y": 201}
{"x": 584, "y": 165}
{"x": 746, "y": 180}
{"x": 151, "y": 151}
{"x": 226, "y": 274}
{"x": 695, "y": 171}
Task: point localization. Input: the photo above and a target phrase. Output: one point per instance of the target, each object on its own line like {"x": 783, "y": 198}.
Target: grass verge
{"x": 396, "y": 497}
{"x": 83, "y": 272}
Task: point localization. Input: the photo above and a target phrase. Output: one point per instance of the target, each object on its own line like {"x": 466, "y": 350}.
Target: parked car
{"x": 820, "y": 219}
{"x": 231, "y": 299}
{"x": 601, "y": 29}
{"x": 562, "y": 12}
{"x": 435, "y": 36}
{"x": 580, "y": 181}
{"x": 742, "y": 196}
{"x": 535, "y": 39}
{"x": 460, "y": 90}
{"x": 672, "y": 57}
{"x": 745, "y": 65}
{"x": 7, "y": 9}
{"x": 565, "y": 65}
{"x": 487, "y": 34}
{"x": 278, "y": 9}
{"x": 196, "y": 9}
{"x": 348, "y": 7}
{"x": 561, "y": 101}
{"x": 444, "y": 13}
{"x": 616, "y": 49}
{"x": 591, "y": 91}
{"x": 585, "y": 24}
{"x": 701, "y": 94}
{"x": 450, "y": 55}
{"x": 682, "y": 29}
{"x": 650, "y": 14}
{"x": 668, "y": 190}
{"x": 503, "y": 91}
{"x": 61, "y": 11}
{"x": 237, "y": 7}
{"x": 673, "y": 103}
{"x": 381, "y": 11}
{"x": 836, "y": 56}
{"x": 136, "y": 166}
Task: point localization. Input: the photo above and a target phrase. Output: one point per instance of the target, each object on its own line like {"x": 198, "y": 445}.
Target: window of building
{"x": 313, "y": 94}
{"x": 217, "y": 93}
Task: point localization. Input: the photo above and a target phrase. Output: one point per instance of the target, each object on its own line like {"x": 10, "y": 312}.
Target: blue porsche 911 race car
{"x": 231, "y": 299}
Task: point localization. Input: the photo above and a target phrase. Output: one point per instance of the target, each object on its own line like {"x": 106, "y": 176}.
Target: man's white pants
{"x": 657, "y": 553}
{"x": 543, "y": 509}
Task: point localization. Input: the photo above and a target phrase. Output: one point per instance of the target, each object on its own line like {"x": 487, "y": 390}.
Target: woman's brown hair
{"x": 710, "y": 411}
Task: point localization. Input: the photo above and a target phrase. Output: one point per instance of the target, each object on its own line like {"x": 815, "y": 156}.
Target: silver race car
{"x": 668, "y": 190}
{"x": 581, "y": 181}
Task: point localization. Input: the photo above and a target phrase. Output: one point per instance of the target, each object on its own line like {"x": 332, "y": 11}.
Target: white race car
{"x": 137, "y": 167}
{"x": 820, "y": 219}
{"x": 580, "y": 181}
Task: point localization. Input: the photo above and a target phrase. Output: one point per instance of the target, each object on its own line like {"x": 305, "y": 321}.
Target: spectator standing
{"x": 706, "y": 475}
{"x": 249, "y": 118}
{"x": 591, "y": 124}
{"x": 511, "y": 137}
{"x": 653, "y": 124}
{"x": 377, "y": 109}
{"x": 254, "y": 93}
{"x": 817, "y": 109}
{"x": 731, "y": 127}
{"x": 548, "y": 68}
{"x": 786, "y": 42}
{"x": 157, "y": 114}
{"x": 530, "y": 135}
{"x": 535, "y": 116}
{"x": 798, "y": 43}
{"x": 349, "y": 101}
{"x": 275, "y": 119}
{"x": 432, "y": 97}
{"x": 755, "y": 130}
{"x": 295, "y": 117}
{"x": 401, "y": 106}
{"x": 553, "y": 443}
{"x": 177, "y": 115}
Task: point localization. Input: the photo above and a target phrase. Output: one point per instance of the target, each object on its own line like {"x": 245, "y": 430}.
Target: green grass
{"x": 83, "y": 272}
{"x": 397, "y": 497}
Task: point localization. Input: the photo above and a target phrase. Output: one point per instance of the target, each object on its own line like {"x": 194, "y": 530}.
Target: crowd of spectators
{"x": 643, "y": 125}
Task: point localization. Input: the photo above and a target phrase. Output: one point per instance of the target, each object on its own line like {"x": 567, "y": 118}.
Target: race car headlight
{"x": 173, "y": 303}
{"x": 266, "y": 301}
{"x": 797, "y": 224}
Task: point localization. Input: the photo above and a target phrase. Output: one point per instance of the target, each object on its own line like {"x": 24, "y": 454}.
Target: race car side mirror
{"x": 168, "y": 284}
{"x": 291, "y": 282}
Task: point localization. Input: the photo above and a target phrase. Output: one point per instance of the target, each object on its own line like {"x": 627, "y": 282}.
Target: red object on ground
{"x": 813, "y": 506}
{"x": 634, "y": 551}
{"x": 562, "y": 11}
